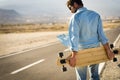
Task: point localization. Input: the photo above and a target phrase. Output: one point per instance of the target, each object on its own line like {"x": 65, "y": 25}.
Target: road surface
{"x": 40, "y": 63}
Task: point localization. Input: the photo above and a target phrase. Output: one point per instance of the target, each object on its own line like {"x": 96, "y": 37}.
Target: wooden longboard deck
{"x": 89, "y": 56}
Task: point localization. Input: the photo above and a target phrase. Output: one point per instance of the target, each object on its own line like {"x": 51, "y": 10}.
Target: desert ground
{"x": 15, "y": 42}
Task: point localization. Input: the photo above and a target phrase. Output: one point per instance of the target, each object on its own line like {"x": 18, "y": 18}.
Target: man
{"x": 85, "y": 31}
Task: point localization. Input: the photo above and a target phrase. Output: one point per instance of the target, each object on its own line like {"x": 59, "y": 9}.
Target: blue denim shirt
{"x": 85, "y": 30}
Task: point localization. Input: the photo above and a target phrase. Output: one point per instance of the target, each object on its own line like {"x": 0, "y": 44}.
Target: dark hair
{"x": 71, "y": 2}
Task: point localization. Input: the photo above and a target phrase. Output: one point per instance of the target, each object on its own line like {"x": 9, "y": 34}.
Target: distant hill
{"x": 9, "y": 16}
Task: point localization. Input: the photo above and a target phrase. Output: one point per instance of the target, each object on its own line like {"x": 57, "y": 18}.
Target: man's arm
{"x": 74, "y": 33}
{"x": 74, "y": 39}
{"x": 104, "y": 40}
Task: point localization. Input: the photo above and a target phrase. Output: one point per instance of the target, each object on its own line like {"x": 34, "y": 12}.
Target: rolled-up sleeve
{"x": 102, "y": 37}
{"x": 74, "y": 33}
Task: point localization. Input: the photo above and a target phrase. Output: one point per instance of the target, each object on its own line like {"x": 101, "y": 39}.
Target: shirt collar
{"x": 81, "y": 9}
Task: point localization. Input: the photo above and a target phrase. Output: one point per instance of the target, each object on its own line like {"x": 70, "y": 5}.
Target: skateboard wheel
{"x": 61, "y": 54}
{"x": 115, "y": 59}
{"x": 111, "y": 46}
{"x": 62, "y": 61}
{"x": 115, "y": 51}
{"x": 64, "y": 69}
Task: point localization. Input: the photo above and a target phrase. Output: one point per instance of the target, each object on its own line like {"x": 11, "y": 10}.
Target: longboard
{"x": 87, "y": 57}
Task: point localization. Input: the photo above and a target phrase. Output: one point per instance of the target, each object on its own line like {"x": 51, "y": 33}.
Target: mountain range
{"x": 9, "y": 16}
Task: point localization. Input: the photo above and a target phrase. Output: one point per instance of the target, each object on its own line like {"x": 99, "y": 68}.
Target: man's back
{"x": 87, "y": 22}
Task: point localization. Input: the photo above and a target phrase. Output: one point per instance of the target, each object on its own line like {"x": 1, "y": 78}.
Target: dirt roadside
{"x": 16, "y": 42}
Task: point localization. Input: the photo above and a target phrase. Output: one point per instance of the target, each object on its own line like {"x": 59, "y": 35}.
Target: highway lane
{"x": 42, "y": 71}
{"x": 40, "y": 64}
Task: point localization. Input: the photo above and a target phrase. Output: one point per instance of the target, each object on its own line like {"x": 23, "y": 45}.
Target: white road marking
{"x": 28, "y": 66}
{"x": 66, "y": 50}
{"x": 117, "y": 39}
{"x": 49, "y": 44}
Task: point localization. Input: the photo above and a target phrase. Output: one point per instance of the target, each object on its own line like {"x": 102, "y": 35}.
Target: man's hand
{"x": 110, "y": 54}
{"x": 72, "y": 60}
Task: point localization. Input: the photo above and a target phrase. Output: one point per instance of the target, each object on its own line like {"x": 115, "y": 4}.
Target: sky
{"x": 37, "y": 7}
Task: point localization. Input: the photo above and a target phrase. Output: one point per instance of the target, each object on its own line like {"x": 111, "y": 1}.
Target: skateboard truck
{"x": 114, "y": 51}
{"x": 61, "y": 54}
{"x": 111, "y": 46}
{"x": 114, "y": 59}
{"x": 64, "y": 68}
{"x": 62, "y": 61}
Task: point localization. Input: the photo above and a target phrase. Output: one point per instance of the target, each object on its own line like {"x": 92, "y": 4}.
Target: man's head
{"x": 73, "y": 5}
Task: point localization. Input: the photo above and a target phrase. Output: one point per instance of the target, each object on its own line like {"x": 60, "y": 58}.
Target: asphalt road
{"x": 40, "y": 63}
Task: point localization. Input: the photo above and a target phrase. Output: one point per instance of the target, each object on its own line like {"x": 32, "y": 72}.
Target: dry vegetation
{"x": 18, "y": 28}
{"x": 111, "y": 24}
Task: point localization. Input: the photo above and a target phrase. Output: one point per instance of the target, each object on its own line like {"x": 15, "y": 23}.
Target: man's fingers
{"x": 72, "y": 62}
{"x": 72, "y": 65}
{"x": 111, "y": 56}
